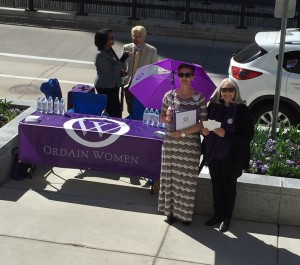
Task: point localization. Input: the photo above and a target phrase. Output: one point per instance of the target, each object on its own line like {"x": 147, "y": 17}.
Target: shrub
{"x": 7, "y": 112}
{"x": 276, "y": 157}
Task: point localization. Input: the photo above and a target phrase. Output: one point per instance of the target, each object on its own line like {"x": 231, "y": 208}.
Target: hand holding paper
{"x": 211, "y": 124}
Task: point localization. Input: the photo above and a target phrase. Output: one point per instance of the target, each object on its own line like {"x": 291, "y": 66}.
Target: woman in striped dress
{"x": 181, "y": 150}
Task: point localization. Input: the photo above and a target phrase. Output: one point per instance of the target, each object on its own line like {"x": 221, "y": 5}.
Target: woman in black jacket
{"x": 109, "y": 70}
{"x": 227, "y": 149}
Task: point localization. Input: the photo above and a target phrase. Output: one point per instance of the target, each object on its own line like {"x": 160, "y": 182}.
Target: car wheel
{"x": 263, "y": 115}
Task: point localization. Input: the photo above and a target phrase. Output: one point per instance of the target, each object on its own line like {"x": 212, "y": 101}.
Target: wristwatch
{"x": 183, "y": 133}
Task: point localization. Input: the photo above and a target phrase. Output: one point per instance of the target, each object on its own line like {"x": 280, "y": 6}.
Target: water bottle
{"x": 146, "y": 116}
{"x": 56, "y": 106}
{"x": 156, "y": 118}
{"x": 162, "y": 125}
{"x": 45, "y": 105}
{"x": 50, "y": 105}
{"x": 151, "y": 117}
{"x": 39, "y": 103}
{"x": 61, "y": 106}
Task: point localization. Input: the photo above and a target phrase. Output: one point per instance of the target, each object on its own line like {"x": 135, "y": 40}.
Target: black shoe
{"x": 186, "y": 223}
{"x": 171, "y": 219}
{"x": 224, "y": 225}
{"x": 213, "y": 221}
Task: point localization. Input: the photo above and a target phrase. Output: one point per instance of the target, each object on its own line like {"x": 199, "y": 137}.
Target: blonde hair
{"x": 216, "y": 98}
{"x": 139, "y": 29}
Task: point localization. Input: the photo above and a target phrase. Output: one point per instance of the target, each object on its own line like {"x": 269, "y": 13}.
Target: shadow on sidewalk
{"x": 245, "y": 243}
{"x": 86, "y": 187}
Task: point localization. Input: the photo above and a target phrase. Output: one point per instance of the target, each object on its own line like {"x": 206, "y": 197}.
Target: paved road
{"x": 29, "y": 55}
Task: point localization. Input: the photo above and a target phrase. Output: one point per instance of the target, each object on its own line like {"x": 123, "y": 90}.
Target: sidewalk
{"x": 66, "y": 216}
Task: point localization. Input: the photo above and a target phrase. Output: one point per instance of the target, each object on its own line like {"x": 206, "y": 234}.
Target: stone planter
{"x": 9, "y": 138}
{"x": 259, "y": 198}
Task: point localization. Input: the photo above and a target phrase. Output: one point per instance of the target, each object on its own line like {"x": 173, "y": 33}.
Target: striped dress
{"x": 180, "y": 161}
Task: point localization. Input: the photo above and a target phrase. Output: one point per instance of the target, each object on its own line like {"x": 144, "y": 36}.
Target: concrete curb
{"x": 9, "y": 138}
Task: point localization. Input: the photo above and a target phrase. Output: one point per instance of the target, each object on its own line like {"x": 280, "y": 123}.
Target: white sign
{"x": 211, "y": 124}
{"x": 279, "y": 8}
{"x": 185, "y": 119}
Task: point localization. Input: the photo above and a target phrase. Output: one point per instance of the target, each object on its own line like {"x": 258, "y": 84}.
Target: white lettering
{"x": 61, "y": 152}
{"x": 116, "y": 158}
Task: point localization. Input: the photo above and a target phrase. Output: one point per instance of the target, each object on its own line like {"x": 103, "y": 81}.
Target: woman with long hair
{"x": 227, "y": 149}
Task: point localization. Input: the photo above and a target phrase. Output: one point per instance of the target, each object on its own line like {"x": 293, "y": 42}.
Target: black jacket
{"x": 238, "y": 124}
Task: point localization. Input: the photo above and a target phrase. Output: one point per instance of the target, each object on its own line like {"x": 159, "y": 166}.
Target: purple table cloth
{"x": 90, "y": 142}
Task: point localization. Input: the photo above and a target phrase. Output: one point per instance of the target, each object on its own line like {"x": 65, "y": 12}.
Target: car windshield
{"x": 249, "y": 53}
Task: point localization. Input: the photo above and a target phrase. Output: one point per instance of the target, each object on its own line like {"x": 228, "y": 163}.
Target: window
{"x": 291, "y": 62}
{"x": 249, "y": 53}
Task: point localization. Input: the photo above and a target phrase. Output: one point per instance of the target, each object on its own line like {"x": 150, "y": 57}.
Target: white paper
{"x": 32, "y": 118}
{"x": 211, "y": 124}
{"x": 185, "y": 119}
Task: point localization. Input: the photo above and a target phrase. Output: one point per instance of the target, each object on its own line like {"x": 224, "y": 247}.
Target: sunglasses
{"x": 227, "y": 89}
{"x": 188, "y": 75}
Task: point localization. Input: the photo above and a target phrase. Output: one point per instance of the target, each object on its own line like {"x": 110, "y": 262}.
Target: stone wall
{"x": 259, "y": 198}
{"x": 9, "y": 138}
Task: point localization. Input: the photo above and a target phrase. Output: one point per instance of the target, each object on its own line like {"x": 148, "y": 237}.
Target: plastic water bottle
{"x": 61, "y": 106}
{"x": 50, "y": 105}
{"x": 146, "y": 116}
{"x": 156, "y": 118}
{"x": 56, "y": 106}
{"x": 151, "y": 117}
{"x": 162, "y": 125}
{"x": 45, "y": 105}
{"x": 39, "y": 103}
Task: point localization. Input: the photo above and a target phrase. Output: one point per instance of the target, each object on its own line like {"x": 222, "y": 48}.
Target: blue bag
{"x": 51, "y": 88}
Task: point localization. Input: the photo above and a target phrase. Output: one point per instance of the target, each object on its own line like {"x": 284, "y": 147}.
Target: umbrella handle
{"x": 173, "y": 89}
{"x": 122, "y": 97}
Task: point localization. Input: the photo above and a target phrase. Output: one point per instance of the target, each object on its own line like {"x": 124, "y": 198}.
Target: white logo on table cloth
{"x": 100, "y": 125}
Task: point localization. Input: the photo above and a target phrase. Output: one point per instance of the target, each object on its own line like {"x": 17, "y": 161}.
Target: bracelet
{"x": 182, "y": 133}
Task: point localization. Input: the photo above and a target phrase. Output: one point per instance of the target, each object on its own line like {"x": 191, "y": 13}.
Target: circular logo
{"x": 230, "y": 121}
{"x": 113, "y": 128}
{"x": 139, "y": 76}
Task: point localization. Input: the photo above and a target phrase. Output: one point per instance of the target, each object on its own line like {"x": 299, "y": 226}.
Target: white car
{"x": 254, "y": 68}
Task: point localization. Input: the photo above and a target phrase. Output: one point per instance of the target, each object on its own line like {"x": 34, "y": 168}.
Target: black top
{"x": 238, "y": 124}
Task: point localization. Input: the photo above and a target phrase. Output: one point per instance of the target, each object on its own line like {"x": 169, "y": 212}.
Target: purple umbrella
{"x": 153, "y": 81}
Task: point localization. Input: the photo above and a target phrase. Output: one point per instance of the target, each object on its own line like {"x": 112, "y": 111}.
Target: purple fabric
{"x": 151, "y": 82}
{"x": 89, "y": 142}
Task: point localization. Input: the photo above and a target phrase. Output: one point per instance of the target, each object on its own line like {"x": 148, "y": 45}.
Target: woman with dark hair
{"x": 181, "y": 150}
{"x": 109, "y": 69}
{"x": 227, "y": 149}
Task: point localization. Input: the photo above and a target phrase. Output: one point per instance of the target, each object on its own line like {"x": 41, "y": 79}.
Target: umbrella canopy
{"x": 153, "y": 81}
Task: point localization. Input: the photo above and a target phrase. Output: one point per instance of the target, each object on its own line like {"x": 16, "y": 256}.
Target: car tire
{"x": 264, "y": 115}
